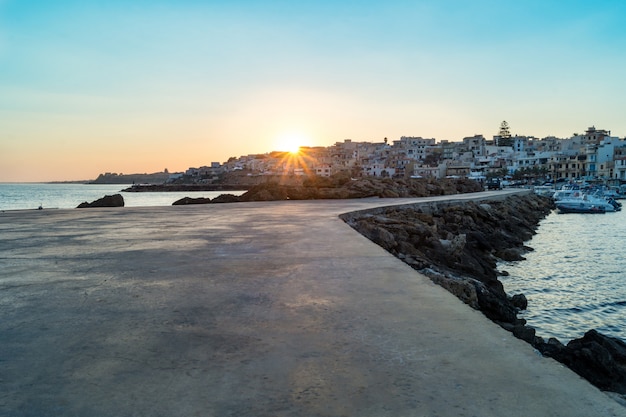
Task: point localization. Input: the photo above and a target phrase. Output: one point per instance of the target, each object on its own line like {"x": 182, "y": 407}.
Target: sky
{"x": 88, "y": 87}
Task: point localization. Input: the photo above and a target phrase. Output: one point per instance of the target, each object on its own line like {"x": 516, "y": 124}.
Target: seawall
{"x": 458, "y": 244}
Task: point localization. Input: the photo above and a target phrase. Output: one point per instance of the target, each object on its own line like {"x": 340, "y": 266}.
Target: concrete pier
{"x": 249, "y": 309}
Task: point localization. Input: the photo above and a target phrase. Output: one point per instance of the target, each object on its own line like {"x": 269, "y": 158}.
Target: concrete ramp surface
{"x": 249, "y": 309}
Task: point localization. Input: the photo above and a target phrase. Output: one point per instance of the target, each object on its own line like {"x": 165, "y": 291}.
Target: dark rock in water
{"x": 115, "y": 200}
{"x": 495, "y": 306}
{"x": 222, "y": 198}
{"x": 226, "y": 198}
{"x": 510, "y": 254}
{"x": 519, "y": 301}
{"x": 598, "y": 358}
{"x": 188, "y": 200}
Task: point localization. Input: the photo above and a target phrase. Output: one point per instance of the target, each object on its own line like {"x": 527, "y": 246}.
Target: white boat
{"x": 586, "y": 203}
{"x": 567, "y": 191}
{"x": 571, "y": 206}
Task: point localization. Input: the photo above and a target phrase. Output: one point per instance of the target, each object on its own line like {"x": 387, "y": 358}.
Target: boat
{"x": 567, "y": 191}
{"x": 573, "y": 199}
{"x": 587, "y": 203}
{"x": 614, "y": 193}
{"x": 614, "y": 203}
{"x": 579, "y": 207}
{"x": 609, "y": 204}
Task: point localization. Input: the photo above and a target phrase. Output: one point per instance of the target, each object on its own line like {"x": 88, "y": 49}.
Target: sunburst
{"x": 291, "y": 142}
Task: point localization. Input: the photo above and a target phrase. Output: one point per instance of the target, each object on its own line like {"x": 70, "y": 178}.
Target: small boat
{"x": 580, "y": 208}
{"x": 567, "y": 191}
{"x": 584, "y": 202}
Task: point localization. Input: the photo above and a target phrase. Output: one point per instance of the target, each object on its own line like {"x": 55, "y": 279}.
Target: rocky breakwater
{"x": 342, "y": 186}
{"x": 457, "y": 244}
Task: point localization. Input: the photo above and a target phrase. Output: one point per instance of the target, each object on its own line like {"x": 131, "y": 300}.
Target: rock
{"x": 525, "y": 333}
{"x": 598, "y": 358}
{"x": 188, "y": 200}
{"x": 343, "y": 186}
{"x": 479, "y": 240}
{"x": 494, "y": 305}
{"x": 462, "y": 287}
{"x": 519, "y": 301}
{"x": 266, "y": 192}
{"x": 226, "y": 198}
{"x": 115, "y": 200}
{"x": 379, "y": 235}
{"x": 456, "y": 245}
{"x": 510, "y": 254}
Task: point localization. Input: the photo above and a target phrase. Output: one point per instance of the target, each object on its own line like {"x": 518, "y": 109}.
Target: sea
{"x": 28, "y": 196}
{"x": 574, "y": 279}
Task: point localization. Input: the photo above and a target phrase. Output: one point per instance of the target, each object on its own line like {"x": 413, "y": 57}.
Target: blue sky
{"x": 88, "y": 87}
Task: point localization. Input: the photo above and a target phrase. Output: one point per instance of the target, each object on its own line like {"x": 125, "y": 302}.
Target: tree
{"x": 504, "y": 137}
{"x": 432, "y": 159}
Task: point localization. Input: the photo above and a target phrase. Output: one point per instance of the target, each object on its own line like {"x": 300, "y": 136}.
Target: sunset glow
{"x": 183, "y": 84}
{"x": 291, "y": 142}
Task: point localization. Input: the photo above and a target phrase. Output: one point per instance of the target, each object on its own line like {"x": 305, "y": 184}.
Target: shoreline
{"x": 146, "y": 188}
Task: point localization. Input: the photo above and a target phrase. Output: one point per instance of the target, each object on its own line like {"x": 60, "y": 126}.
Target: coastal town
{"x": 594, "y": 155}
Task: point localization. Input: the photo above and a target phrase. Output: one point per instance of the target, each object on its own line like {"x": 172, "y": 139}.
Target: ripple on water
{"x": 574, "y": 279}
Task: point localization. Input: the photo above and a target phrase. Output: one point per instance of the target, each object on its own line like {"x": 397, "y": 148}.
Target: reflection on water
{"x": 64, "y": 196}
{"x": 574, "y": 279}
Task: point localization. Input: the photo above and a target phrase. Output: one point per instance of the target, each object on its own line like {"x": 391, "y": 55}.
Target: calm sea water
{"x": 575, "y": 279}
{"x": 63, "y": 196}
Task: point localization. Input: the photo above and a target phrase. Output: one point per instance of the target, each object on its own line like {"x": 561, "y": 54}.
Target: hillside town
{"x": 594, "y": 155}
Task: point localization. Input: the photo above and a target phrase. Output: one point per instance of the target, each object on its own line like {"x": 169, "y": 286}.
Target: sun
{"x": 291, "y": 142}
{"x": 293, "y": 149}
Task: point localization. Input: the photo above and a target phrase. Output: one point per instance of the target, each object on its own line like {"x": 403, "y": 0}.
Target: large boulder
{"x": 115, "y": 200}
{"x": 189, "y": 200}
{"x": 598, "y": 358}
{"x": 226, "y": 198}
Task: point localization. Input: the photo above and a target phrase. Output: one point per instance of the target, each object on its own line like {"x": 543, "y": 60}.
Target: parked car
{"x": 494, "y": 184}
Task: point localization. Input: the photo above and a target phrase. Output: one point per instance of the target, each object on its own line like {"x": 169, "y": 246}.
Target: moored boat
{"x": 581, "y": 207}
